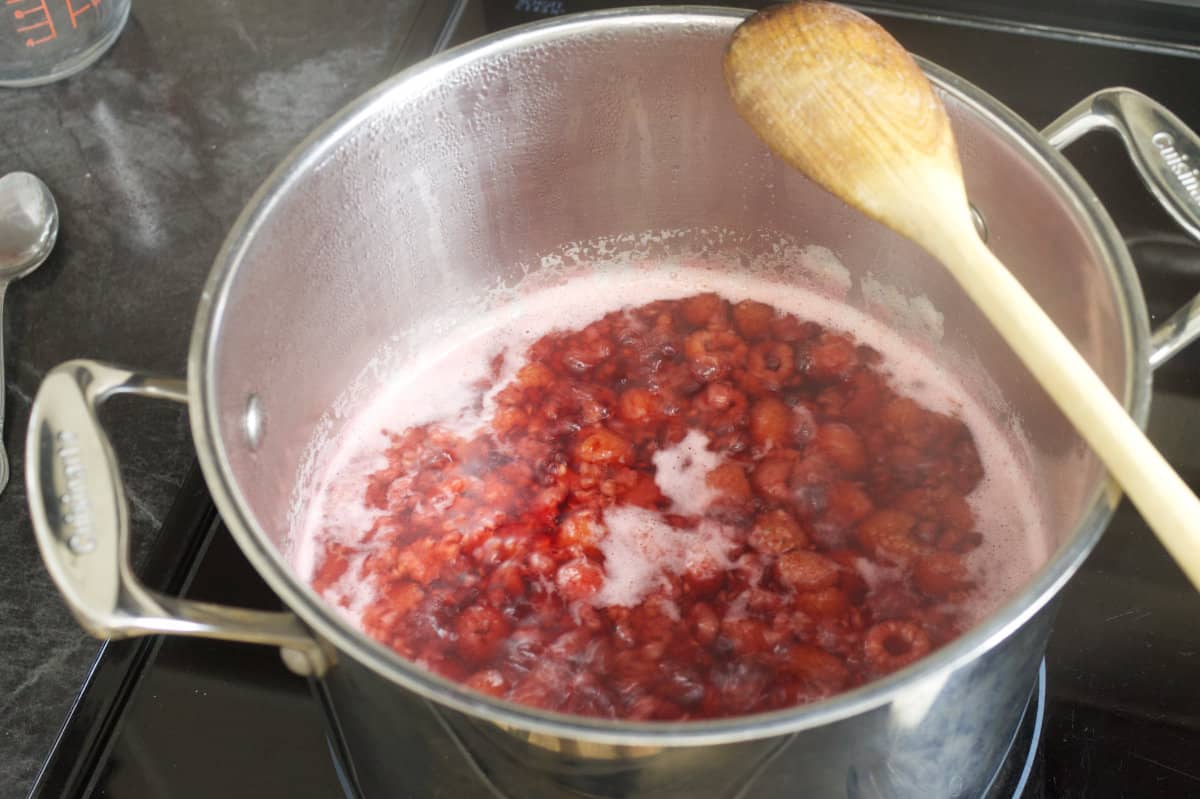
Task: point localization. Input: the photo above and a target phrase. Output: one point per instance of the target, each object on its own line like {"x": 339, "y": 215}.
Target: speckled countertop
{"x": 151, "y": 153}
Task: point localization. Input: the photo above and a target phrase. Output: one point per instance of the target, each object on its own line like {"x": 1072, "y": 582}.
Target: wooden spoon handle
{"x": 1169, "y": 507}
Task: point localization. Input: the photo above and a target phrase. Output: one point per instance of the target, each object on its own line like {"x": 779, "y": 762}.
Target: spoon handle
{"x": 3, "y": 391}
{"x": 1166, "y": 503}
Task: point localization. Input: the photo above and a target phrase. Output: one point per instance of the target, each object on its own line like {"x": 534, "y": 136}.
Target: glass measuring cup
{"x": 44, "y": 40}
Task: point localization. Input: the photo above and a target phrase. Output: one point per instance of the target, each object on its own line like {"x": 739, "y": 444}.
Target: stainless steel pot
{"x": 455, "y": 176}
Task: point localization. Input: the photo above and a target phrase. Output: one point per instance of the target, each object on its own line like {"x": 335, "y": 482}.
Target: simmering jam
{"x": 686, "y": 508}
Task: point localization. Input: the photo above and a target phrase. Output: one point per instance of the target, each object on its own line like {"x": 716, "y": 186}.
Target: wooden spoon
{"x": 839, "y": 99}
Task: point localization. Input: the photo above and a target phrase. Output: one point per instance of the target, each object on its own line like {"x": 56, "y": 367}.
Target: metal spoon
{"x": 28, "y": 230}
{"x": 839, "y": 99}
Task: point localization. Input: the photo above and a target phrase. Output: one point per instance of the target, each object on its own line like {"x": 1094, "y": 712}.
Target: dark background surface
{"x": 153, "y": 151}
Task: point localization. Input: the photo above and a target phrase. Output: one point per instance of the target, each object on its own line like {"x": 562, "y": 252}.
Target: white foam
{"x": 916, "y": 314}
{"x": 640, "y": 549}
{"x": 1008, "y": 515}
{"x": 680, "y": 473}
{"x": 441, "y": 385}
{"x": 826, "y": 269}
{"x": 337, "y": 512}
{"x": 876, "y": 574}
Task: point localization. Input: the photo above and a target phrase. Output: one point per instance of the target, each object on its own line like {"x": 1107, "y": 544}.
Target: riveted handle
{"x": 81, "y": 522}
{"x": 1166, "y": 153}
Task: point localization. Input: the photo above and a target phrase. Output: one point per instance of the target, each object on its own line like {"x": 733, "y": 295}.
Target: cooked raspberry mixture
{"x": 828, "y": 549}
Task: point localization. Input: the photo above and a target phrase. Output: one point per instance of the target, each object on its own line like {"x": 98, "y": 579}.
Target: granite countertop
{"x": 151, "y": 154}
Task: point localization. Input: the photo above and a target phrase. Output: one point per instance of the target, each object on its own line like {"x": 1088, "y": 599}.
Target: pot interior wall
{"x": 443, "y": 185}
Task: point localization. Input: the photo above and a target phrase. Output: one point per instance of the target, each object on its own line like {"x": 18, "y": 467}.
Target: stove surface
{"x": 190, "y": 718}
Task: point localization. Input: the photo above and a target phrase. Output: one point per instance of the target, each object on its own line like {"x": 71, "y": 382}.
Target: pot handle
{"x": 81, "y": 522}
{"x": 1166, "y": 153}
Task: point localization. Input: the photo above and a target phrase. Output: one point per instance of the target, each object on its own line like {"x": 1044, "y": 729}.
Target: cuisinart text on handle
{"x": 76, "y": 514}
{"x": 1177, "y": 164}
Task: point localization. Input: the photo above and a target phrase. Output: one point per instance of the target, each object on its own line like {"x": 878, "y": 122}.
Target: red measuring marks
{"x": 34, "y": 17}
{"x": 87, "y": 5}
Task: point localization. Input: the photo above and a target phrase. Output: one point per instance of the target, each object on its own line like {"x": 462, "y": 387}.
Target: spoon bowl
{"x": 28, "y": 230}
{"x": 837, "y": 97}
{"x": 28, "y": 224}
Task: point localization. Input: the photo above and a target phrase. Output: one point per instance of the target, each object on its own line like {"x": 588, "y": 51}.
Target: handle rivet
{"x": 296, "y": 661}
{"x": 253, "y": 422}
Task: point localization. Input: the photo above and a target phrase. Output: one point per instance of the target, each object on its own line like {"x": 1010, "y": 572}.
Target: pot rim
{"x": 327, "y": 623}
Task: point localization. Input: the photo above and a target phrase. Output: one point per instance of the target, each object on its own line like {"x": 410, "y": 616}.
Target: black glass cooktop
{"x": 1119, "y": 709}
